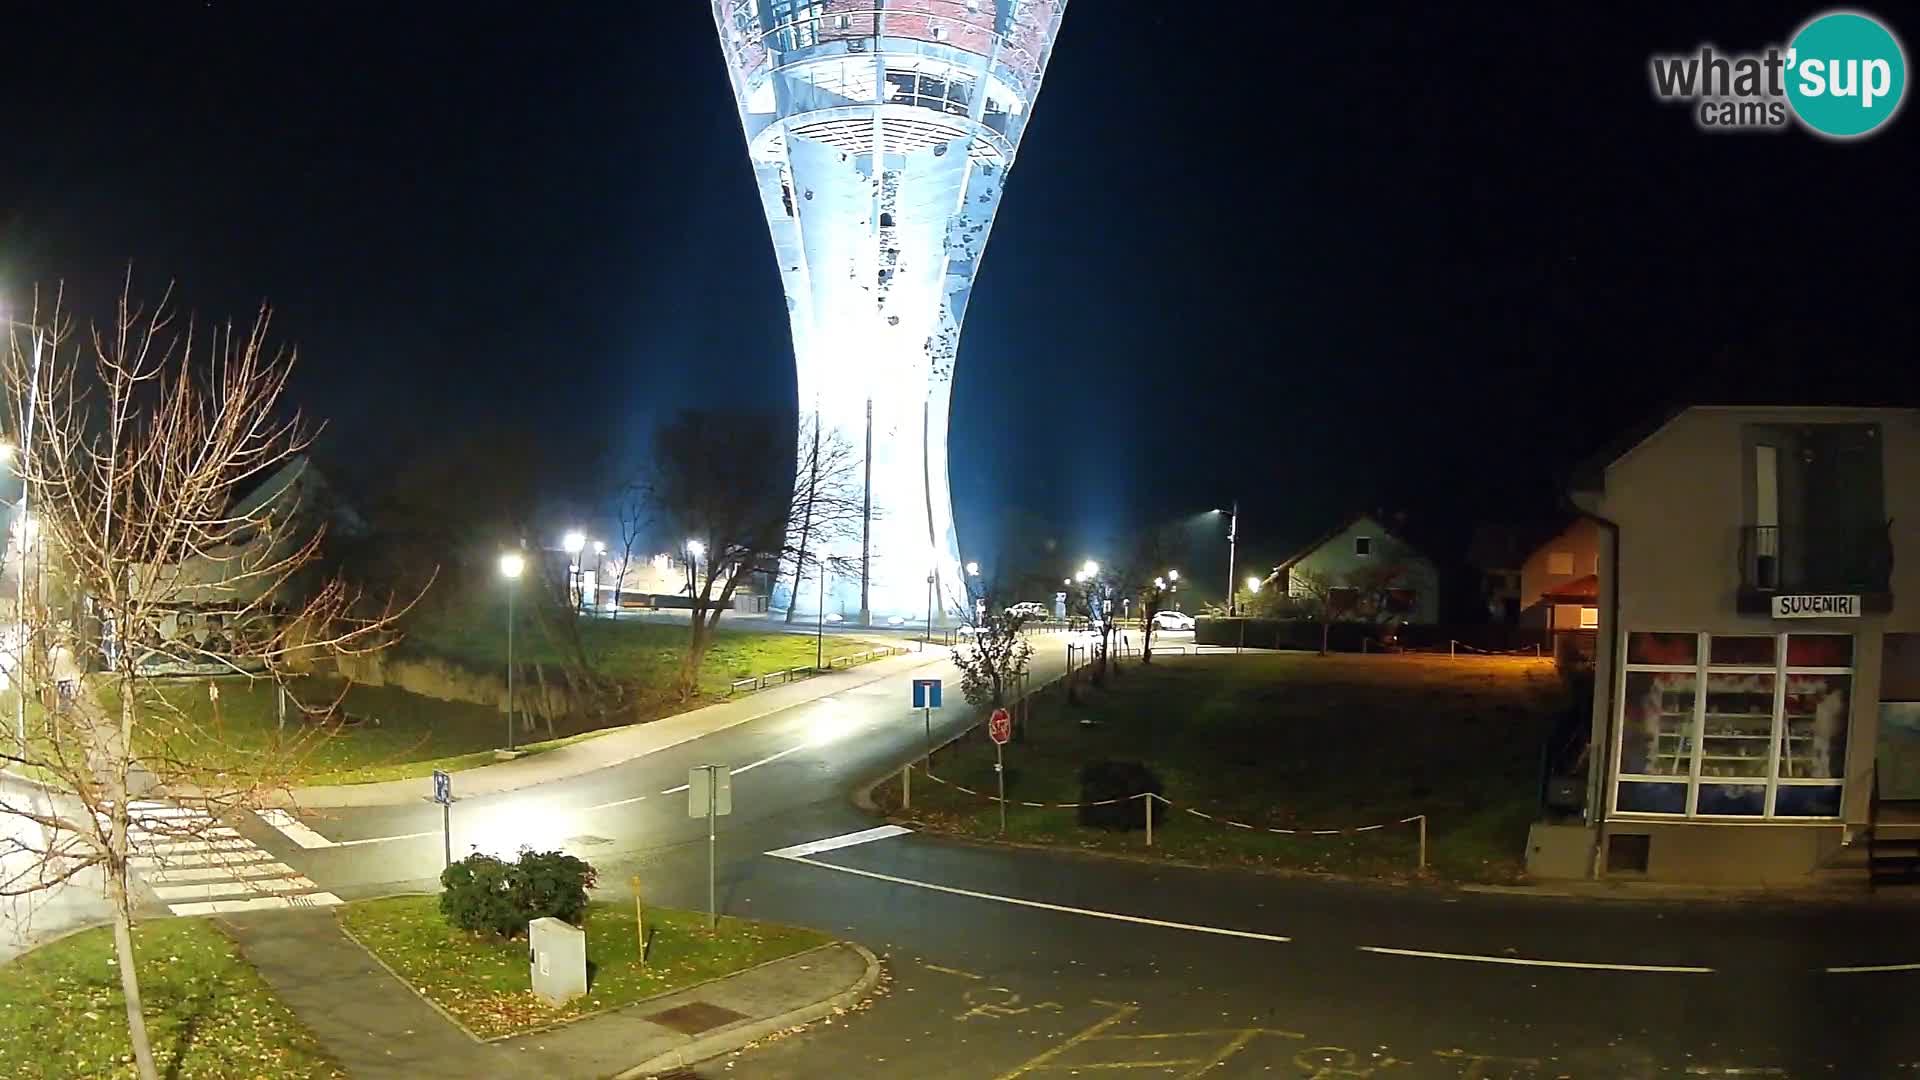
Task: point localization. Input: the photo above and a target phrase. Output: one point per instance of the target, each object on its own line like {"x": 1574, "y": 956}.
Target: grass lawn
{"x": 413, "y": 735}
{"x": 208, "y": 1013}
{"x": 482, "y": 980}
{"x": 639, "y": 651}
{"x": 1284, "y": 740}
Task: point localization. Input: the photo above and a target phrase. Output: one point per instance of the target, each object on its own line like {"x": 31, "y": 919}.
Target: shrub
{"x": 1103, "y": 780}
{"x": 486, "y": 894}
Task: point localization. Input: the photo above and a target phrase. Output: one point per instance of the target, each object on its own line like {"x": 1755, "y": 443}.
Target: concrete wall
{"x": 1680, "y": 500}
{"x": 1335, "y": 561}
{"x": 1580, "y": 542}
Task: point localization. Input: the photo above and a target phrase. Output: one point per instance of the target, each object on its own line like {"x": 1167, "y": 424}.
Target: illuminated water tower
{"x": 881, "y": 132}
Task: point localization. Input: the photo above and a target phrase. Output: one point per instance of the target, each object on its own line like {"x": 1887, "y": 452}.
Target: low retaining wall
{"x": 447, "y": 681}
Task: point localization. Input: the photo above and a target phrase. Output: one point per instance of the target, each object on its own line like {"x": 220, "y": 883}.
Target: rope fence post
{"x": 1450, "y": 644}
{"x": 1423, "y": 843}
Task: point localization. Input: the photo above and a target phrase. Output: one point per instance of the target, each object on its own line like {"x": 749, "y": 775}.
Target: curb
{"x": 706, "y": 1046}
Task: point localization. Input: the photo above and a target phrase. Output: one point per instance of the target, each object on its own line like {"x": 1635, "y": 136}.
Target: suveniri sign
{"x": 1816, "y": 607}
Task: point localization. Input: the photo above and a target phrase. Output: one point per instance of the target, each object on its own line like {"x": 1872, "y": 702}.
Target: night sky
{"x": 1317, "y": 260}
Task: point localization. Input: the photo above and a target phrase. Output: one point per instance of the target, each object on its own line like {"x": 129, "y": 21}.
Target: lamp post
{"x": 695, "y": 549}
{"x": 1173, "y": 587}
{"x": 511, "y": 565}
{"x": 820, "y": 621}
{"x": 1233, "y": 535}
{"x": 599, "y": 568}
{"x": 573, "y": 543}
{"x": 18, "y": 459}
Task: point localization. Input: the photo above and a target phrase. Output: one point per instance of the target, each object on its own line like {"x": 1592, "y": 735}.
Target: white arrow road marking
{"x": 833, "y": 843}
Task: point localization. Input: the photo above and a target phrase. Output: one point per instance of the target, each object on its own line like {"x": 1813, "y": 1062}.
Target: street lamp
{"x": 511, "y": 566}
{"x": 572, "y": 543}
{"x": 599, "y": 569}
{"x": 1253, "y": 584}
{"x": 1090, "y": 568}
{"x": 1233, "y": 534}
{"x": 973, "y": 569}
{"x": 1173, "y": 586}
{"x": 695, "y": 549}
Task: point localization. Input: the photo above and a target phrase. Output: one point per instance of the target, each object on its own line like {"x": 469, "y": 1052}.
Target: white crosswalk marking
{"x": 199, "y": 867}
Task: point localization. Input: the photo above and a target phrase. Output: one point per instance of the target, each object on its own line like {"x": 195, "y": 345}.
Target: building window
{"x": 1363, "y": 545}
{"x": 1560, "y": 563}
{"x": 1589, "y": 618}
{"x": 1739, "y": 726}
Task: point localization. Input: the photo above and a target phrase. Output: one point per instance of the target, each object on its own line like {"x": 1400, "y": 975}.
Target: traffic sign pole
{"x": 1000, "y": 772}
{"x": 713, "y": 910}
{"x": 928, "y": 715}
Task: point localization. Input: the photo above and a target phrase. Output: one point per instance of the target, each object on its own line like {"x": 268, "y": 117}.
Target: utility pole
{"x": 866, "y": 519}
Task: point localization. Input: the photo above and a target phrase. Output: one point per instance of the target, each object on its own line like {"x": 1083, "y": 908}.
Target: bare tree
{"x": 995, "y": 654}
{"x": 145, "y": 438}
{"x": 631, "y": 513}
{"x": 824, "y": 496}
{"x": 725, "y": 479}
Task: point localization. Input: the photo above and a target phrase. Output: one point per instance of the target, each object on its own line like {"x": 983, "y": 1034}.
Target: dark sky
{"x": 1319, "y": 259}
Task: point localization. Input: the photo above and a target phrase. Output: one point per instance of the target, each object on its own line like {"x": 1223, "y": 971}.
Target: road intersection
{"x": 1011, "y": 963}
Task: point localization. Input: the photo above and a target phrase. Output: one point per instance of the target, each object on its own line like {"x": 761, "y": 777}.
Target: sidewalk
{"x": 379, "y": 1029}
{"x": 619, "y": 744}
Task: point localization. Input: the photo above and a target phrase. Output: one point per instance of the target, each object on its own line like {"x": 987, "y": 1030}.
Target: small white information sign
{"x": 1816, "y": 607}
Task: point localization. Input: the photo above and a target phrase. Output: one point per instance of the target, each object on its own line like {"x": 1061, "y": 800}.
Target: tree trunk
{"x": 806, "y": 520}
{"x": 129, "y": 980}
{"x": 546, "y": 698}
{"x": 116, "y": 864}
{"x": 1325, "y": 625}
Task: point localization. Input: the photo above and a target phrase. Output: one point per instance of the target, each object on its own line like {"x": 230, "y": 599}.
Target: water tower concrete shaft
{"x": 880, "y": 133}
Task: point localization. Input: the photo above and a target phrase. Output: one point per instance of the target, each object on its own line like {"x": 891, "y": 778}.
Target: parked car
{"x": 1028, "y": 609}
{"x": 1172, "y": 620}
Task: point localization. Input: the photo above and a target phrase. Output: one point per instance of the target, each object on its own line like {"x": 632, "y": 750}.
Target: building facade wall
{"x": 1579, "y": 544}
{"x": 1337, "y": 560}
{"x": 1680, "y": 500}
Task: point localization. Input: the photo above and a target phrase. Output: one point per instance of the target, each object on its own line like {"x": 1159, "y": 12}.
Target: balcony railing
{"x": 1816, "y": 558}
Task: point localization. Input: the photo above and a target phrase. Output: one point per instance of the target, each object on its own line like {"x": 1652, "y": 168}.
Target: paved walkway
{"x": 621, "y": 744}
{"x": 379, "y": 1029}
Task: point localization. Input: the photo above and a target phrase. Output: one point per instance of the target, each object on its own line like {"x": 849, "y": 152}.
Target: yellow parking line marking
{"x": 1040, "y": 1061}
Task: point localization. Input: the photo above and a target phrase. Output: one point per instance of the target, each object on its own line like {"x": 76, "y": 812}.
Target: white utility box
{"x": 557, "y": 960}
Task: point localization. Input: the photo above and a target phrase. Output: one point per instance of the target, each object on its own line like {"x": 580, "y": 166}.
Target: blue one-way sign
{"x": 926, "y": 693}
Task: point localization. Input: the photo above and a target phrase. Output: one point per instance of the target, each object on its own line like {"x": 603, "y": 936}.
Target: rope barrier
{"x": 1169, "y": 804}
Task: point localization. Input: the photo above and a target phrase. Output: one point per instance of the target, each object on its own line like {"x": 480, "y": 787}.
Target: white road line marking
{"x": 1517, "y": 961}
{"x": 770, "y": 758}
{"x": 294, "y": 829}
{"x": 257, "y": 903}
{"x": 616, "y": 802}
{"x": 201, "y": 858}
{"x": 676, "y": 790}
{"x": 208, "y": 890}
{"x": 833, "y": 843}
{"x": 189, "y": 847}
{"x": 181, "y": 875}
{"x": 384, "y": 839}
{"x": 1018, "y": 901}
{"x": 1868, "y": 968}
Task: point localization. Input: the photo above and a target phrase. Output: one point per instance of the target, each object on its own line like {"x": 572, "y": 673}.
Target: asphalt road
{"x": 1011, "y": 963}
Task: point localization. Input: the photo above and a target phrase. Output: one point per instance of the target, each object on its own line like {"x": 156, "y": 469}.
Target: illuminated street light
{"x": 1091, "y": 568}
{"x": 1253, "y": 584}
{"x": 1173, "y": 575}
{"x": 573, "y": 542}
{"x": 696, "y": 549}
{"x": 512, "y": 564}
{"x": 1159, "y": 583}
{"x": 973, "y": 569}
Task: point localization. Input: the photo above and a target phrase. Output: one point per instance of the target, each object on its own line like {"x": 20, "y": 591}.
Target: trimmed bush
{"x": 485, "y": 894}
{"x": 1103, "y": 780}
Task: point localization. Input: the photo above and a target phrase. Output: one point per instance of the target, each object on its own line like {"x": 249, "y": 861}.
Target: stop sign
{"x": 1000, "y": 726}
